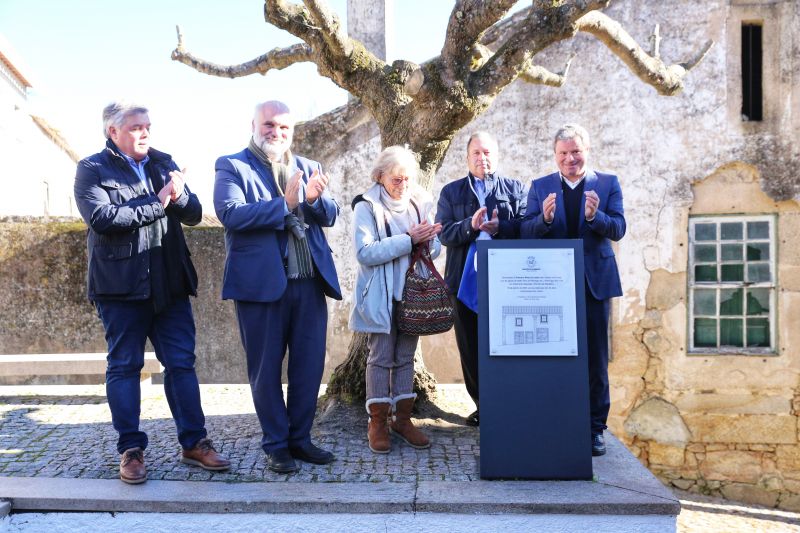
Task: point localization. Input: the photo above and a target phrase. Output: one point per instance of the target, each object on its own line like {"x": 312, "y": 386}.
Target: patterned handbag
{"x": 426, "y": 308}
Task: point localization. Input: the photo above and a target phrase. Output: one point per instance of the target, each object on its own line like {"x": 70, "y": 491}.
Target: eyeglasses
{"x": 398, "y": 180}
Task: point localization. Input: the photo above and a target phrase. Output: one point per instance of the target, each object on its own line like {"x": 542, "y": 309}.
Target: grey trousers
{"x": 390, "y": 364}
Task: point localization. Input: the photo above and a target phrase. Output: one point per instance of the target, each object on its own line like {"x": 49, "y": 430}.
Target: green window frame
{"x": 732, "y": 281}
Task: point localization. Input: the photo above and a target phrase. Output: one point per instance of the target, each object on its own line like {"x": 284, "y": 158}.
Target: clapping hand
{"x": 424, "y": 232}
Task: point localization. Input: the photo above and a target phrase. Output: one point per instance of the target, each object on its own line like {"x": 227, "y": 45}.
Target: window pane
{"x": 731, "y": 252}
{"x": 705, "y": 333}
{"x": 705, "y": 302}
{"x": 757, "y": 251}
{"x": 705, "y": 232}
{"x": 758, "y": 302}
{"x": 730, "y": 332}
{"x": 758, "y": 332}
{"x": 733, "y": 273}
{"x": 731, "y": 230}
{"x": 705, "y": 273}
{"x": 756, "y": 272}
{"x": 730, "y": 302}
{"x": 705, "y": 253}
{"x": 758, "y": 230}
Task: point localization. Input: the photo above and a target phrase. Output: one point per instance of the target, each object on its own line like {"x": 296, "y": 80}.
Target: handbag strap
{"x": 422, "y": 253}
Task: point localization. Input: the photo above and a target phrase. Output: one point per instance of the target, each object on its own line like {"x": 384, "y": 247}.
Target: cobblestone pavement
{"x": 56, "y": 431}
{"x": 66, "y": 432}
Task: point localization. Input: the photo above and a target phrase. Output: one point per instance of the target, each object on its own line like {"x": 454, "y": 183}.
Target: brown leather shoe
{"x": 131, "y": 466}
{"x": 204, "y": 455}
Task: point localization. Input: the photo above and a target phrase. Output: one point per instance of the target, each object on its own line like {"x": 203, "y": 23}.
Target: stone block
{"x": 755, "y": 429}
{"x": 683, "y": 484}
{"x": 652, "y": 319}
{"x": 788, "y": 461}
{"x": 664, "y": 454}
{"x": 789, "y": 502}
{"x": 660, "y": 421}
{"x": 744, "y": 467}
{"x": 630, "y": 355}
{"x": 750, "y": 494}
{"x": 666, "y": 289}
{"x": 771, "y": 483}
{"x": 656, "y": 341}
{"x": 738, "y": 404}
{"x": 792, "y": 485}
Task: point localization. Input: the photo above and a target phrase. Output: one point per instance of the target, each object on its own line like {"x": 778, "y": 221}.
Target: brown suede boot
{"x": 378, "y": 430}
{"x": 404, "y": 428}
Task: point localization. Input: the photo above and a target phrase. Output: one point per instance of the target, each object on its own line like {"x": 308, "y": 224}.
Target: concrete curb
{"x": 469, "y": 497}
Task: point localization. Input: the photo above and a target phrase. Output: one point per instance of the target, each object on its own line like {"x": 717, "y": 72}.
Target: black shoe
{"x": 473, "y": 419}
{"x": 281, "y": 461}
{"x": 311, "y": 454}
{"x": 598, "y": 444}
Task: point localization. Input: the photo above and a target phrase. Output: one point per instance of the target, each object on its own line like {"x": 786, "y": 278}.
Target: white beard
{"x": 274, "y": 151}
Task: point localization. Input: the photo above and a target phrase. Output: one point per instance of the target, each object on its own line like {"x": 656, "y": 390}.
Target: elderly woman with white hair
{"x": 390, "y": 220}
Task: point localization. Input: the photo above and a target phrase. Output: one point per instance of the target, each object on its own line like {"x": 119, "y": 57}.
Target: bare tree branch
{"x": 667, "y": 80}
{"x": 278, "y": 58}
{"x": 541, "y": 76}
{"x": 547, "y": 22}
{"x": 331, "y": 29}
{"x": 535, "y": 74}
{"x": 468, "y": 20}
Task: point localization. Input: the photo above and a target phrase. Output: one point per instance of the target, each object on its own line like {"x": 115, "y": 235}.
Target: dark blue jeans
{"x": 171, "y": 331}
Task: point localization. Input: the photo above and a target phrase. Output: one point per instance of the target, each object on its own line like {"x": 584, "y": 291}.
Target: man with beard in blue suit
{"x": 579, "y": 203}
{"x": 278, "y": 271}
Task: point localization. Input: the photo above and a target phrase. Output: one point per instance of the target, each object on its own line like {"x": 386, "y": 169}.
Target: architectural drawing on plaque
{"x": 532, "y": 324}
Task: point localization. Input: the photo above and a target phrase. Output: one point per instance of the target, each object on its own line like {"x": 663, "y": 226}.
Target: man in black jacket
{"x": 480, "y": 205}
{"x": 134, "y": 199}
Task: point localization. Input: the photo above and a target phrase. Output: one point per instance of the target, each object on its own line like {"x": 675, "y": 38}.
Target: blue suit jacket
{"x": 247, "y": 203}
{"x": 600, "y": 266}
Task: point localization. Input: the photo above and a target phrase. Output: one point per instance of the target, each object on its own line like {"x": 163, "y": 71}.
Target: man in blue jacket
{"x": 134, "y": 199}
{"x": 278, "y": 270}
{"x": 579, "y": 203}
{"x": 481, "y": 205}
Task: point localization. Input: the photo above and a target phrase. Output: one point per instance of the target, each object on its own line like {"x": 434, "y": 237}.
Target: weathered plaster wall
{"x": 721, "y": 424}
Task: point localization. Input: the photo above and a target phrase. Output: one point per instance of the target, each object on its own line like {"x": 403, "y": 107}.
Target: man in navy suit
{"x": 579, "y": 203}
{"x": 278, "y": 270}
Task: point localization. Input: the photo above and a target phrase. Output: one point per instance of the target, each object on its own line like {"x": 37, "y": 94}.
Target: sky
{"x": 81, "y": 54}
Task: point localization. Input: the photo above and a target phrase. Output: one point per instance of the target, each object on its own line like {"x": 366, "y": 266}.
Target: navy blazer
{"x": 247, "y": 203}
{"x": 600, "y": 265}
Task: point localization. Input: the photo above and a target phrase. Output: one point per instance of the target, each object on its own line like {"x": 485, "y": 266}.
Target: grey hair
{"x": 276, "y": 105}
{"x": 392, "y": 158}
{"x": 115, "y": 113}
{"x": 483, "y": 135}
{"x": 567, "y": 132}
